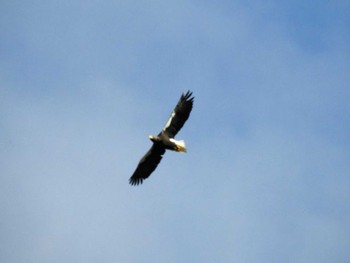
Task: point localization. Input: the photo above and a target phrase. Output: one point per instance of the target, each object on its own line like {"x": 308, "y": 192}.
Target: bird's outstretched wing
{"x": 179, "y": 115}
{"x": 147, "y": 164}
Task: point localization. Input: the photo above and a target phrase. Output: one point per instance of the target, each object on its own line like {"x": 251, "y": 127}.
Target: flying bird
{"x": 164, "y": 140}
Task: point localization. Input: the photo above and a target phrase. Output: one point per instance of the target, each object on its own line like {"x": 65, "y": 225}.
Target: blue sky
{"x": 267, "y": 173}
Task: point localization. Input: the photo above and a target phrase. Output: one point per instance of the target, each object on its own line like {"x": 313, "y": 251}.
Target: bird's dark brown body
{"x": 168, "y": 143}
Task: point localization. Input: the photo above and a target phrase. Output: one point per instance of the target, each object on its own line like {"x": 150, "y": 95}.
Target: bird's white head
{"x": 153, "y": 138}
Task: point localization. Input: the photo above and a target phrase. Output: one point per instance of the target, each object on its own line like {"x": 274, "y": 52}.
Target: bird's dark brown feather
{"x": 147, "y": 164}
{"x": 180, "y": 115}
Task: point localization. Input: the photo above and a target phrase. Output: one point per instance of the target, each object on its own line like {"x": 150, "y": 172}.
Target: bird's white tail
{"x": 181, "y": 145}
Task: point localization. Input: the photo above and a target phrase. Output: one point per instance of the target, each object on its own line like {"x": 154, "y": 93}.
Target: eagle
{"x": 164, "y": 140}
